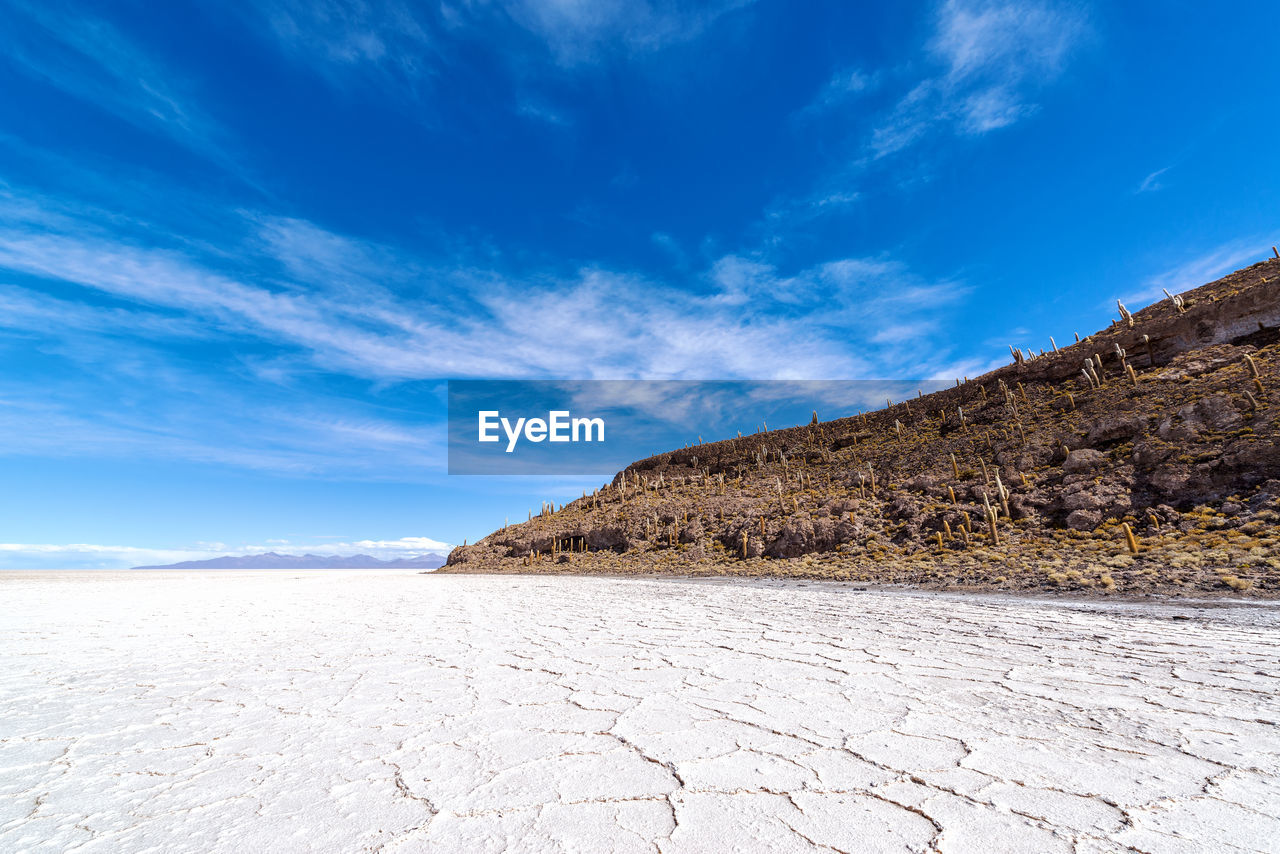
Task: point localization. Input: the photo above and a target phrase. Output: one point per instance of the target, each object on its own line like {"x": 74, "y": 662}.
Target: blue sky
{"x": 244, "y": 245}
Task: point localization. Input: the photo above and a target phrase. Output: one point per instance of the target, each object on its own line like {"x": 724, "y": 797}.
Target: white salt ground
{"x": 359, "y": 711}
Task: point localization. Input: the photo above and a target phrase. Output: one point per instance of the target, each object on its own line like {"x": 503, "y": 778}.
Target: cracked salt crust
{"x": 399, "y": 712}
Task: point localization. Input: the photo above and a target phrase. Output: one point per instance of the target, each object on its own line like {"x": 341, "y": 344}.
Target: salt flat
{"x": 399, "y": 712}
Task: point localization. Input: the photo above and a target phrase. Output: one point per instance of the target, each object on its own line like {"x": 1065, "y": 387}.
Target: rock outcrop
{"x": 1144, "y": 457}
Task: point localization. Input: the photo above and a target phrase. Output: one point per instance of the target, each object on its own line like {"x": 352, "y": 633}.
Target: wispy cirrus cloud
{"x": 165, "y": 418}
{"x": 990, "y": 58}
{"x": 1194, "y": 271}
{"x": 579, "y": 31}
{"x": 414, "y": 43}
{"x": 1152, "y": 183}
{"x": 751, "y": 320}
{"x": 845, "y": 85}
{"x": 981, "y": 69}
{"x": 88, "y": 58}
{"x": 346, "y": 40}
{"x": 282, "y": 310}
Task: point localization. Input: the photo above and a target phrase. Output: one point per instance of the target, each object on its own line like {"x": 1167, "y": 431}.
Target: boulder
{"x": 1214, "y": 414}
{"x": 1084, "y": 460}
{"x": 795, "y": 539}
{"x": 1112, "y": 428}
{"x": 1084, "y": 520}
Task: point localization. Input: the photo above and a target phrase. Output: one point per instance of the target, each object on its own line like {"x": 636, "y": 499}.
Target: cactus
{"x": 1124, "y": 313}
{"x": 1128, "y": 535}
{"x": 1176, "y": 300}
{"x": 991, "y": 519}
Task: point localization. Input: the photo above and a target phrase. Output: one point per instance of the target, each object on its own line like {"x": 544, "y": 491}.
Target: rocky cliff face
{"x": 1144, "y": 457}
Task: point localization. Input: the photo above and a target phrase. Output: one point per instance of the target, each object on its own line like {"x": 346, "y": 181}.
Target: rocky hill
{"x": 1142, "y": 458}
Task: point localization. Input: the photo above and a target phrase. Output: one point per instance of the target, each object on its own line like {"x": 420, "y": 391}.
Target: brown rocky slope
{"x": 1154, "y": 467}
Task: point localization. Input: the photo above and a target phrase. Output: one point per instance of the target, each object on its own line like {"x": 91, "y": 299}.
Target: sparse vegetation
{"x": 1149, "y": 470}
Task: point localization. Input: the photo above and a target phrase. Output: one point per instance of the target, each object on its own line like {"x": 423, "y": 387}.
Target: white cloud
{"x": 979, "y": 39}
{"x": 991, "y": 109}
{"x": 408, "y": 44}
{"x": 578, "y": 31}
{"x": 88, "y": 58}
{"x": 96, "y": 556}
{"x": 401, "y": 547}
{"x": 1151, "y": 183}
{"x": 89, "y": 556}
{"x": 1196, "y": 271}
{"x": 285, "y": 301}
{"x": 785, "y": 217}
{"x": 991, "y": 59}
{"x": 842, "y": 87}
{"x": 754, "y": 322}
{"x": 534, "y": 109}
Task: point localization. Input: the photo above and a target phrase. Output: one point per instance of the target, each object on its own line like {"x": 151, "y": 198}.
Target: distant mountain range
{"x": 272, "y": 560}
